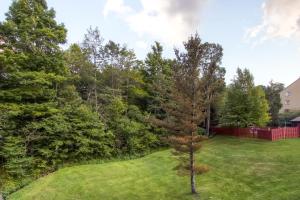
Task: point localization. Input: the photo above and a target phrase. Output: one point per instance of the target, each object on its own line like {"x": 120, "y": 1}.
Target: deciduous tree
{"x": 273, "y": 96}
{"x": 213, "y": 77}
{"x": 245, "y": 104}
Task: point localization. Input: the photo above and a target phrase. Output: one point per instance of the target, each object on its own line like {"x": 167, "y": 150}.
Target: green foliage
{"x": 260, "y": 107}
{"x": 201, "y": 131}
{"x": 111, "y": 79}
{"x": 32, "y": 36}
{"x": 273, "y": 96}
{"x": 157, "y": 74}
{"x": 244, "y": 105}
{"x": 83, "y": 72}
{"x": 129, "y": 126}
{"x": 43, "y": 122}
{"x": 213, "y": 78}
{"x": 31, "y": 72}
{"x": 13, "y": 150}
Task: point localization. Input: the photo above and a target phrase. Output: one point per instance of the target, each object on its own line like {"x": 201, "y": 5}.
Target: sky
{"x": 261, "y": 35}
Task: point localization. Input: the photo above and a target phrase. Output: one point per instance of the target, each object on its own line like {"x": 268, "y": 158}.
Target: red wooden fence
{"x": 261, "y": 133}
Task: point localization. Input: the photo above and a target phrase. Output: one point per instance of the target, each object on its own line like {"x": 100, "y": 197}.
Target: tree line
{"x": 96, "y": 100}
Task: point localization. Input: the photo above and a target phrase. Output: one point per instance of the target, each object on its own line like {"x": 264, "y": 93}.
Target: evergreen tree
{"x": 31, "y": 71}
{"x": 157, "y": 72}
{"x": 184, "y": 104}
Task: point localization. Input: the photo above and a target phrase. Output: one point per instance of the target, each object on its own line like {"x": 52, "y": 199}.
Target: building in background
{"x": 296, "y": 122}
{"x": 290, "y": 98}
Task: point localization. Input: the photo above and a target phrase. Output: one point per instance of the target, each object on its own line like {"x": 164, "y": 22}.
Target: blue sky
{"x": 261, "y": 35}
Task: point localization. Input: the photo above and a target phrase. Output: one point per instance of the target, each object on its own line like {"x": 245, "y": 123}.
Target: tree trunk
{"x": 95, "y": 91}
{"x": 208, "y": 121}
{"x": 192, "y": 156}
{"x": 192, "y": 163}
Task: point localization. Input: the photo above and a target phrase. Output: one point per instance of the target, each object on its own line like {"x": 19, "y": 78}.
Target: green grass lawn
{"x": 240, "y": 169}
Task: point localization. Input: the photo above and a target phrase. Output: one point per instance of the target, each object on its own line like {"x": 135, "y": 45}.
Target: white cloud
{"x": 116, "y": 6}
{"x": 281, "y": 19}
{"x": 171, "y": 21}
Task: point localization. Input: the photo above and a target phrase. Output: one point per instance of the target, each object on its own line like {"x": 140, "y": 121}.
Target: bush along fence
{"x": 261, "y": 133}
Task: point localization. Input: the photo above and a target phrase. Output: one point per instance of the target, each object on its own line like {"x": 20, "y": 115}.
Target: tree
{"x": 260, "y": 107}
{"x": 44, "y": 118}
{"x": 83, "y": 73}
{"x": 157, "y": 72}
{"x": 184, "y": 102}
{"x": 273, "y": 96}
{"x": 213, "y": 77}
{"x": 93, "y": 46}
{"x": 121, "y": 64}
{"x": 122, "y": 89}
{"x": 245, "y": 104}
{"x": 32, "y": 71}
{"x": 129, "y": 126}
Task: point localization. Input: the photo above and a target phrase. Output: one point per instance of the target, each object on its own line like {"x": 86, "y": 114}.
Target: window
{"x": 288, "y": 93}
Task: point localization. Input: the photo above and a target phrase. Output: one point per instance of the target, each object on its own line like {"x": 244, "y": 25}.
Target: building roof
{"x": 297, "y": 119}
{"x": 292, "y": 83}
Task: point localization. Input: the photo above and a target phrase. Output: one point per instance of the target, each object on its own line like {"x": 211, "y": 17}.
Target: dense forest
{"x": 96, "y": 100}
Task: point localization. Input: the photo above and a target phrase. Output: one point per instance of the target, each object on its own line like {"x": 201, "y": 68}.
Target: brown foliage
{"x": 184, "y": 101}
{"x": 201, "y": 169}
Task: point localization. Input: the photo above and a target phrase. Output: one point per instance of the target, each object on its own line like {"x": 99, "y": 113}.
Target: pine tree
{"x": 157, "y": 72}
{"x": 32, "y": 70}
{"x": 184, "y": 102}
